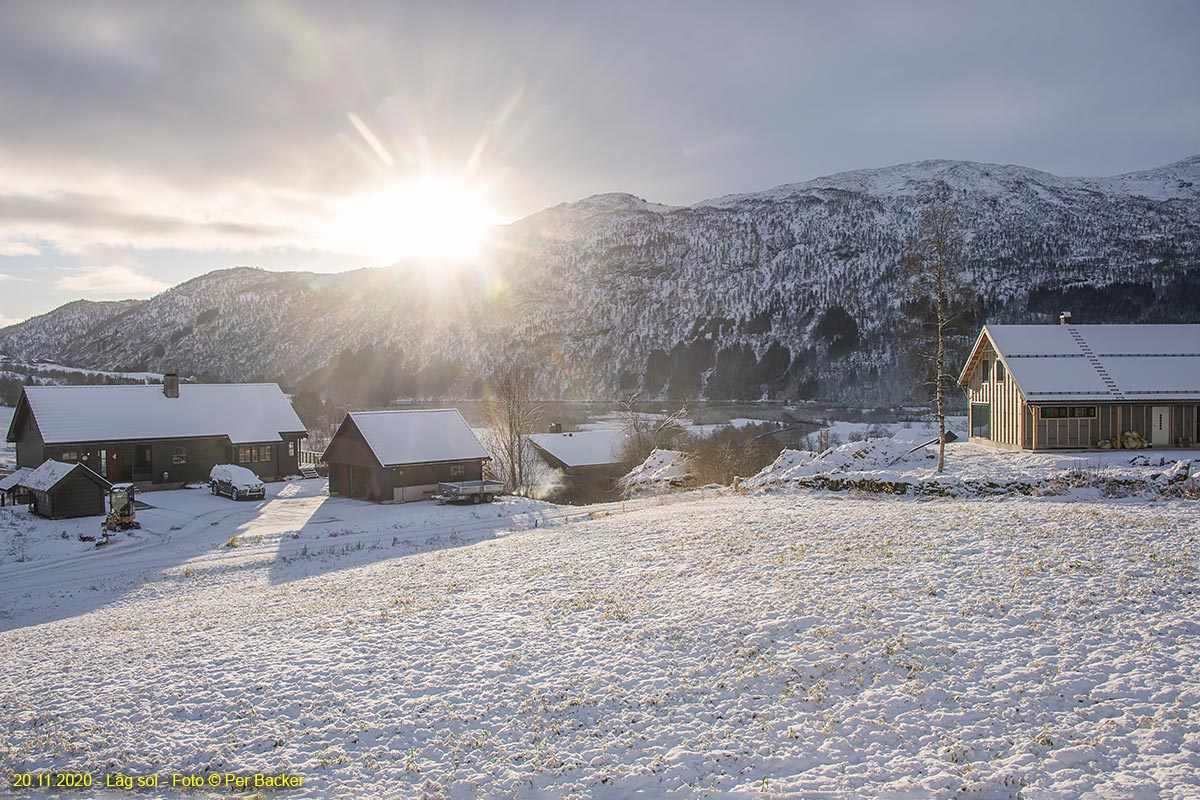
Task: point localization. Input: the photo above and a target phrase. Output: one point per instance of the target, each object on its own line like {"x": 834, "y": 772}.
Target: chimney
{"x": 1064, "y": 318}
{"x": 171, "y": 384}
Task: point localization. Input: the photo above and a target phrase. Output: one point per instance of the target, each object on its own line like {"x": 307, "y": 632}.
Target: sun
{"x": 429, "y": 218}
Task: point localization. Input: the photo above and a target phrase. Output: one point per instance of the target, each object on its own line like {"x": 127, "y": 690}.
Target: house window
{"x": 1000, "y": 374}
{"x": 981, "y": 419}
{"x": 291, "y": 448}
{"x": 179, "y": 456}
{"x": 458, "y": 470}
{"x": 264, "y": 453}
{"x": 70, "y": 455}
{"x": 985, "y": 371}
{"x": 1068, "y": 412}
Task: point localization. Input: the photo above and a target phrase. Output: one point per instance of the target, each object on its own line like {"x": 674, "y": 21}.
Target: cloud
{"x": 74, "y": 222}
{"x": 114, "y": 280}
{"x": 18, "y": 249}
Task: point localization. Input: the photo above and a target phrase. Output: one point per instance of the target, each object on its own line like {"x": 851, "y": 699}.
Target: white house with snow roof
{"x": 173, "y": 433}
{"x": 1045, "y": 387}
{"x": 397, "y": 456}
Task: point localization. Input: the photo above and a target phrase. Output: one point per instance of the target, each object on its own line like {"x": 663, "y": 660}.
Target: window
{"x": 253, "y": 455}
{"x": 1000, "y": 374}
{"x": 291, "y": 448}
{"x": 458, "y": 470}
{"x": 1068, "y": 412}
{"x": 70, "y": 455}
{"x": 179, "y": 456}
{"x": 985, "y": 373}
{"x": 981, "y": 418}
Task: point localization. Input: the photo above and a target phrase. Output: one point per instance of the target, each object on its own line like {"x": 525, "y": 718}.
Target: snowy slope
{"x": 741, "y": 645}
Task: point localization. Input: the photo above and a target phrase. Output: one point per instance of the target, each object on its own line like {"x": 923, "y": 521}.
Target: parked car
{"x": 236, "y": 482}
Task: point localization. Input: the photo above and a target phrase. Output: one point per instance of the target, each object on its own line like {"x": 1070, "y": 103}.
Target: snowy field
{"x": 809, "y": 645}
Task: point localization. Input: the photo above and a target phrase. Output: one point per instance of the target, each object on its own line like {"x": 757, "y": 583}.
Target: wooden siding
{"x": 77, "y": 495}
{"x": 1008, "y": 414}
{"x": 380, "y": 484}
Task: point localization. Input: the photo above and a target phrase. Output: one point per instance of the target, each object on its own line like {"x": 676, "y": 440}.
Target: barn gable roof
{"x": 1107, "y": 363}
{"x": 244, "y": 412}
{"x": 422, "y": 436}
{"x": 582, "y": 448}
{"x": 51, "y": 473}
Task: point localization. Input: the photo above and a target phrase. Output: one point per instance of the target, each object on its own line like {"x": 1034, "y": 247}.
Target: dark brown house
{"x": 397, "y": 456}
{"x": 64, "y": 491}
{"x": 1048, "y": 387}
{"x": 588, "y": 462}
{"x": 165, "y": 434}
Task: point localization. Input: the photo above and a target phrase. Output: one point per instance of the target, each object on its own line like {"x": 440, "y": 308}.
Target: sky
{"x": 144, "y": 143}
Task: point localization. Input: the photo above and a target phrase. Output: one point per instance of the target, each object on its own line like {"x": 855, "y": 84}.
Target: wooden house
{"x": 1047, "y": 387}
{"x": 589, "y": 462}
{"x": 64, "y": 491}
{"x": 398, "y": 456}
{"x": 167, "y": 434}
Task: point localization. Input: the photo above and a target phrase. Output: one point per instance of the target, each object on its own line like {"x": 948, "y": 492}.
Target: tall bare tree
{"x": 933, "y": 279}
{"x": 511, "y": 414}
{"x": 644, "y": 432}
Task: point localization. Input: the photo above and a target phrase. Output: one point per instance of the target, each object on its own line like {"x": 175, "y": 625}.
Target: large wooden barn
{"x": 1047, "y": 387}
{"x": 159, "y": 434}
{"x": 398, "y": 456}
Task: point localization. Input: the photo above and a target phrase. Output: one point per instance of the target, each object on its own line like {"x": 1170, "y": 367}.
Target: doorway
{"x": 1160, "y": 426}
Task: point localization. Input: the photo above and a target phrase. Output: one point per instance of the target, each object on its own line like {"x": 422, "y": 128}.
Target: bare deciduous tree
{"x": 932, "y": 269}
{"x": 511, "y": 414}
{"x": 645, "y": 432}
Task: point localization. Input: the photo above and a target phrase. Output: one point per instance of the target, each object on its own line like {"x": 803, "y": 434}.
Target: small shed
{"x": 62, "y": 491}
{"x": 397, "y": 456}
{"x": 11, "y": 491}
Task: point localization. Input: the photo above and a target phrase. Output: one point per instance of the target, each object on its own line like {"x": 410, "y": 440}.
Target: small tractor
{"x": 121, "y": 514}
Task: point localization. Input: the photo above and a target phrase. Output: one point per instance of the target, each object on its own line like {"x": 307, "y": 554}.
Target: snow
{"x": 1143, "y": 361}
{"x": 974, "y": 469}
{"x": 14, "y": 478}
{"x": 583, "y": 448}
{"x": 795, "y": 645}
{"x": 48, "y": 475}
{"x": 245, "y": 412}
{"x": 662, "y": 471}
{"x": 418, "y": 436}
{"x": 239, "y": 477}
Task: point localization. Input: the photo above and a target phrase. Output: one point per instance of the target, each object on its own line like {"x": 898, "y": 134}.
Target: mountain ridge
{"x": 788, "y": 293}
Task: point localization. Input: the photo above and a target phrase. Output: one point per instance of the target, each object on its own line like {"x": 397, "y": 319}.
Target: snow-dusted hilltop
{"x": 790, "y": 292}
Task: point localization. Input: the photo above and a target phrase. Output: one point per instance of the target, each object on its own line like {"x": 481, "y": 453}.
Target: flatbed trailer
{"x": 468, "y": 491}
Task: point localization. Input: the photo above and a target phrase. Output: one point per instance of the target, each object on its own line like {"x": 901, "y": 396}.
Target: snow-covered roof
{"x": 1053, "y": 363}
{"x": 419, "y": 436}
{"x": 582, "y": 448}
{"x": 244, "y": 412}
{"x": 50, "y": 473}
{"x": 14, "y": 479}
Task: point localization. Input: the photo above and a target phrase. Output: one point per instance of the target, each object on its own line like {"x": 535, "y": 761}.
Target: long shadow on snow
{"x": 345, "y": 533}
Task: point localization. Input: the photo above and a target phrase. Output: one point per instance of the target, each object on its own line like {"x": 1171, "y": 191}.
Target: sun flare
{"x": 431, "y": 218}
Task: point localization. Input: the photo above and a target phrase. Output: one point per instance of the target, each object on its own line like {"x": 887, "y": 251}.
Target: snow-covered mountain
{"x": 792, "y": 292}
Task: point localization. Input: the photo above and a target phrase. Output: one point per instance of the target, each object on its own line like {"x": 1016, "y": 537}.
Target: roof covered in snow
{"x": 582, "y": 448}
{"x": 419, "y": 436}
{"x": 14, "y": 479}
{"x": 51, "y": 473}
{"x": 1131, "y": 363}
{"x": 244, "y": 412}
